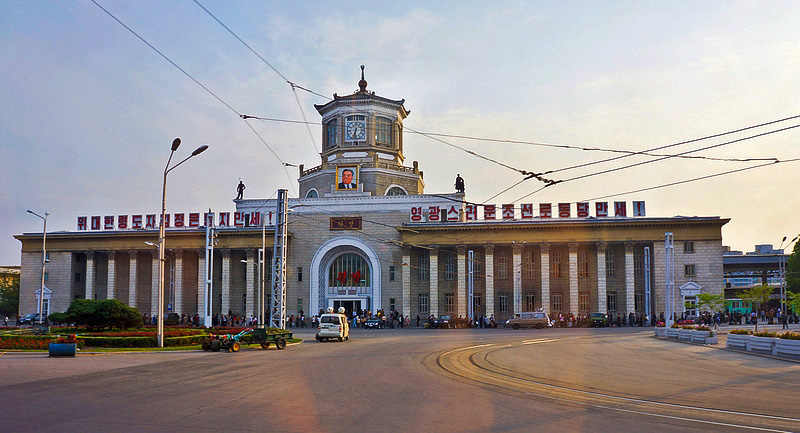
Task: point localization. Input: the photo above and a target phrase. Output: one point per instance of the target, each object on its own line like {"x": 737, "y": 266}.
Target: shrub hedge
{"x": 29, "y": 342}
{"x": 740, "y": 331}
{"x": 790, "y": 336}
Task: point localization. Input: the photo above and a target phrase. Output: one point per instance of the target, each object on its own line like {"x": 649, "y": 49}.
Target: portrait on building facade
{"x": 347, "y": 177}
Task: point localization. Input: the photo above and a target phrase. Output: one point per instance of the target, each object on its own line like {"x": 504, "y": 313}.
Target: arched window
{"x": 396, "y": 190}
{"x": 312, "y": 193}
{"x": 349, "y": 273}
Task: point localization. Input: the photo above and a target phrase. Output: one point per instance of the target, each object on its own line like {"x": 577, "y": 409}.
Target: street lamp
{"x": 160, "y": 321}
{"x": 44, "y": 262}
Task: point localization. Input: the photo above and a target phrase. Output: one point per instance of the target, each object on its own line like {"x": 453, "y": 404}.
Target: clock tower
{"x": 362, "y": 148}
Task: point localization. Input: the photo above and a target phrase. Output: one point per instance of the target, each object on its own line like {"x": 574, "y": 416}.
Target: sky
{"x": 88, "y": 111}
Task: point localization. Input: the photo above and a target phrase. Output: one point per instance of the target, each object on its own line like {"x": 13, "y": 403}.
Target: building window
{"x": 244, "y": 301}
{"x": 449, "y": 266}
{"x": 690, "y": 303}
{"x": 530, "y": 299}
{"x": 299, "y": 273}
{"x": 689, "y": 271}
{"x": 423, "y": 303}
{"x": 529, "y": 265}
{"x": 47, "y": 256}
{"x": 476, "y": 303}
{"x": 557, "y": 301}
{"x": 330, "y": 134}
{"x": 502, "y": 265}
{"x": 611, "y": 301}
{"x": 46, "y": 277}
{"x": 77, "y": 277}
{"x": 383, "y": 131}
{"x": 638, "y": 263}
{"x": 583, "y": 301}
{"x": 503, "y": 302}
{"x": 349, "y": 273}
{"x": 611, "y": 269}
{"x": 638, "y": 300}
{"x": 583, "y": 264}
{"x": 391, "y": 273}
{"x": 555, "y": 264}
{"x": 688, "y": 247}
{"x": 424, "y": 265}
{"x": 392, "y": 305}
{"x": 449, "y": 302}
{"x": 312, "y": 193}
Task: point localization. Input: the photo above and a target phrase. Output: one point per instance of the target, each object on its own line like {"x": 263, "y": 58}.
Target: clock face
{"x": 355, "y": 130}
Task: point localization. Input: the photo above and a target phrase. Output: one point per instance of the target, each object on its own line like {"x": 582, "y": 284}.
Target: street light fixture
{"x": 44, "y": 262}
{"x": 160, "y": 321}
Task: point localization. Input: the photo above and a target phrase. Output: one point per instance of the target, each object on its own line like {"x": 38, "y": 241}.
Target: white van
{"x": 333, "y": 325}
{"x": 533, "y": 319}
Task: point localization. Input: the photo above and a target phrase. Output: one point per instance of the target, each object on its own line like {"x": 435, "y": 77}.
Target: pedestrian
{"x": 5, "y": 320}
{"x": 784, "y": 321}
{"x": 417, "y": 320}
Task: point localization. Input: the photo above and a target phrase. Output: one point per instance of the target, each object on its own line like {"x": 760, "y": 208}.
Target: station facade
{"x": 364, "y": 235}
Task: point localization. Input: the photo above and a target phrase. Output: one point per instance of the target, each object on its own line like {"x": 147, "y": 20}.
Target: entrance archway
{"x": 345, "y": 254}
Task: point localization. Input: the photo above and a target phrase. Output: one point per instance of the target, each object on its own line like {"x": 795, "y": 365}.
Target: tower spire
{"x": 362, "y": 84}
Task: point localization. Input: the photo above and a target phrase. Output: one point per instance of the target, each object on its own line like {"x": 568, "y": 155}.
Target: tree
{"x": 711, "y": 302}
{"x": 757, "y": 296}
{"x": 793, "y": 270}
{"x": 99, "y": 315}
{"x": 793, "y": 302}
{"x": 9, "y": 294}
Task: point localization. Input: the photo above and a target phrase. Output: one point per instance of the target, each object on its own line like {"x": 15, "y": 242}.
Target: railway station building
{"x": 363, "y": 234}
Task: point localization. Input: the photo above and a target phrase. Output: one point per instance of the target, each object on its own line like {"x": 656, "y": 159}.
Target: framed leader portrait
{"x": 347, "y": 178}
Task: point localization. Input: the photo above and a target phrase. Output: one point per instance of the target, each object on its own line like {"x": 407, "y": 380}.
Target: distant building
{"x": 761, "y": 266}
{"x": 365, "y": 236}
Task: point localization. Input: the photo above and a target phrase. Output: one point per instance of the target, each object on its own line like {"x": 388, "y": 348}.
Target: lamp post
{"x": 160, "y": 320}
{"x": 44, "y": 262}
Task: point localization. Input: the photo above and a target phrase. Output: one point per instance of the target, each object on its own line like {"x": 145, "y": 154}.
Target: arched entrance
{"x": 345, "y": 272}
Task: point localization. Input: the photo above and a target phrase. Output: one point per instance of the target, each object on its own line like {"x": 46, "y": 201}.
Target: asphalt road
{"x": 410, "y": 380}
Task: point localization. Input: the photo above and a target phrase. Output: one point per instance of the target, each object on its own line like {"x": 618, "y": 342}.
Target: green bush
{"x": 99, "y": 315}
{"x": 740, "y": 331}
{"x": 118, "y": 341}
{"x": 188, "y": 340}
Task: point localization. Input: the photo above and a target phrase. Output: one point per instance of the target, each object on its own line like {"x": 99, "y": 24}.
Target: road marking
{"x": 470, "y": 370}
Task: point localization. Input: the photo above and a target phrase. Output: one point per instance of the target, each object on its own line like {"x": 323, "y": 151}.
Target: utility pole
{"x": 669, "y": 270}
{"x": 647, "y": 283}
{"x": 278, "y": 300}
{"x": 211, "y": 240}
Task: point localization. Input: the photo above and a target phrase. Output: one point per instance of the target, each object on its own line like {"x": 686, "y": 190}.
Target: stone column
{"x": 630, "y": 305}
{"x": 226, "y": 281}
{"x": 250, "y": 284}
{"x": 488, "y": 274}
{"x": 90, "y": 269}
{"x": 154, "y": 283}
{"x": 178, "y": 284}
{"x": 602, "y": 299}
{"x": 405, "y": 268}
{"x": 545, "y": 261}
{"x": 201, "y": 282}
{"x": 433, "y": 278}
{"x": 461, "y": 281}
{"x": 112, "y": 275}
{"x": 516, "y": 262}
{"x": 132, "y": 280}
{"x": 573, "y": 278}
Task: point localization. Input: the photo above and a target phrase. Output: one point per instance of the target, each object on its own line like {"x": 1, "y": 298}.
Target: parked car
{"x": 442, "y": 322}
{"x": 29, "y": 319}
{"x": 373, "y": 323}
{"x": 533, "y": 319}
{"x": 597, "y": 320}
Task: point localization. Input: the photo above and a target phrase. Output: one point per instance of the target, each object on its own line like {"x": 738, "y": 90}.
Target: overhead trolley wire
{"x": 196, "y": 81}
